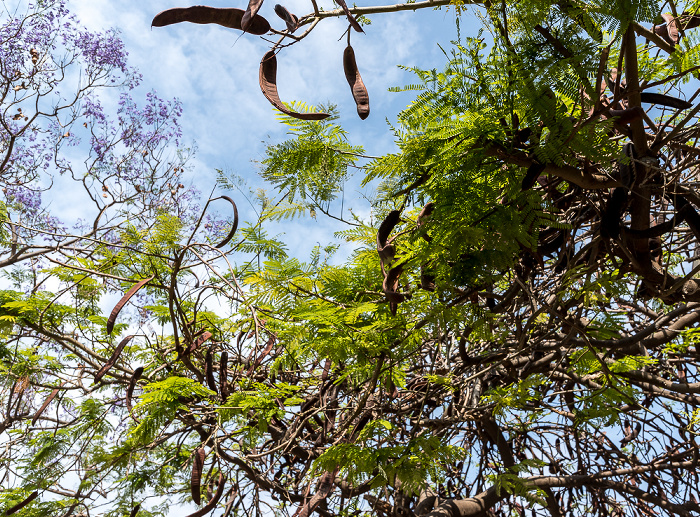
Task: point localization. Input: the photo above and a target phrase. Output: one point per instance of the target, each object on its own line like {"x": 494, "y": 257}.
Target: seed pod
{"x": 227, "y": 17}
{"x": 209, "y": 371}
{"x": 665, "y": 100}
{"x": 250, "y": 12}
{"x": 223, "y": 374}
{"x": 671, "y": 27}
{"x": 197, "y": 466}
{"x": 132, "y": 384}
{"x": 385, "y": 249}
{"x": 113, "y": 359}
{"x": 24, "y": 503}
{"x": 45, "y": 405}
{"x": 359, "y": 91}
{"x": 390, "y": 287}
{"x": 235, "y": 223}
{"x": 349, "y": 15}
{"x": 291, "y": 20}
{"x": 268, "y": 85}
{"x": 198, "y": 342}
{"x": 131, "y": 292}
{"x": 135, "y": 510}
{"x": 214, "y": 500}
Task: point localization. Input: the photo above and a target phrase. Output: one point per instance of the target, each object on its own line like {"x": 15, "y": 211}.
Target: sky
{"x": 214, "y": 72}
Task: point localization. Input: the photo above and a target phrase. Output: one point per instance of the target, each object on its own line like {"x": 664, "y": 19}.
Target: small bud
{"x": 66, "y": 135}
{"x": 104, "y": 195}
{"x": 104, "y": 188}
{"x": 173, "y": 192}
{"x": 180, "y": 186}
{"x": 84, "y": 124}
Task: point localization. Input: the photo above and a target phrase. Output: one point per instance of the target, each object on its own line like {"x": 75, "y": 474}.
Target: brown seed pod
{"x": 223, "y": 374}
{"x": 324, "y": 489}
{"x": 671, "y": 27}
{"x": 118, "y": 307}
{"x": 628, "y": 115}
{"x": 21, "y": 505}
{"x": 391, "y": 286}
{"x": 132, "y": 384}
{"x": 226, "y": 16}
{"x": 385, "y": 249}
{"x": 197, "y": 466}
{"x": 665, "y": 100}
{"x": 209, "y": 370}
{"x": 135, "y": 510}
{"x": 235, "y": 223}
{"x": 359, "y": 91}
{"x": 45, "y": 404}
{"x": 349, "y": 15}
{"x": 198, "y": 342}
{"x": 250, "y": 12}
{"x": 213, "y": 501}
{"x": 113, "y": 359}
{"x": 289, "y": 18}
{"x": 268, "y": 85}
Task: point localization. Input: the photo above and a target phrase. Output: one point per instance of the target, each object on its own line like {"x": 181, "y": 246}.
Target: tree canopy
{"x": 515, "y": 332}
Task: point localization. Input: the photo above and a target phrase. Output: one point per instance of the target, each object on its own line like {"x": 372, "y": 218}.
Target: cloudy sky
{"x": 214, "y": 72}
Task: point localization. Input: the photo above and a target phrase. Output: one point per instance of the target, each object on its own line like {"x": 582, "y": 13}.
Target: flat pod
{"x": 209, "y": 370}
{"x": 197, "y": 467}
{"x": 24, "y": 503}
{"x": 268, "y": 85}
{"x": 359, "y": 90}
{"x": 665, "y": 100}
{"x": 252, "y": 10}
{"x": 117, "y": 308}
{"x": 213, "y": 501}
{"x": 349, "y": 15}
{"x": 290, "y": 19}
{"x": 235, "y": 223}
{"x": 132, "y": 384}
{"x": 227, "y": 17}
{"x": 223, "y": 374}
{"x": 385, "y": 249}
{"x": 45, "y": 404}
{"x": 113, "y": 359}
{"x": 198, "y": 342}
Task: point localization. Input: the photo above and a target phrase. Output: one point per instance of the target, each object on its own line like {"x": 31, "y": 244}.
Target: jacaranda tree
{"x": 515, "y": 332}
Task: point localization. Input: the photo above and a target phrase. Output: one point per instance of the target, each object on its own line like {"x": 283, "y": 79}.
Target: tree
{"x": 515, "y": 332}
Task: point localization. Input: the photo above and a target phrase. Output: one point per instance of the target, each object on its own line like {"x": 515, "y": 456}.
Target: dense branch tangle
{"x": 517, "y": 335}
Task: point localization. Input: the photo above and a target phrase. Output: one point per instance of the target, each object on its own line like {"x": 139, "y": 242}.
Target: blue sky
{"x": 215, "y": 74}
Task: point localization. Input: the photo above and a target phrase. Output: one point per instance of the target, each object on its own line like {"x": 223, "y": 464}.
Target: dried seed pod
{"x": 385, "y": 249}
{"x": 268, "y": 85}
{"x": 135, "y": 510}
{"x": 359, "y": 91}
{"x": 628, "y": 115}
{"x": 198, "y": 342}
{"x": 45, "y": 404}
{"x": 214, "y": 500}
{"x": 235, "y": 223}
{"x": 665, "y": 100}
{"x": 209, "y": 370}
{"x": 113, "y": 359}
{"x": 223, "y": 374}
{"x": 197, "y": 466}
{"x": 132, "y": 384}
{"x": 250, "y": 12}
{"x": 671, "y": 27}
{"x": 227, "y": 17}
{"x": 391, "y": 286}
{"x": 349, "y": 15}
{"x": 290, "y": 19}
{"x": 325, "y": 486}
{"x": 21, "y": 505}
{"x": 118, "y": 307}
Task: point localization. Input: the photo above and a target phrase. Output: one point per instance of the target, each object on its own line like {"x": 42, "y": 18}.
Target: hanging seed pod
{"x": 209, "y": 370}
{"x": 359, "y": 91}
{"x": 250, "y": 12}
{"x": 671, "y": 28}
{"x": 268, "y": 85}
{"x": 135, "y": 510}
{"x": 391, "y": 287}
{"x": 349, "y": 15}
{"x": 665, "y": 100}
{"x": 227, "y": 17}
{"x": 385, "y": 249}
{"x": 214, "y": 500}
{"x": 117, "y": 308}
{"x": 628, "y": 115}
{"x": 324, "y": 489}
{"x": 113, "y": 359}
{"x": 291, "y": 20}
{"x": 197, "y": 466}
{"x": 198, "y": 342}
{"x": 223, "y": 374}
{"x": 24, "y": 503}
{"x": 132, "y": 384}
{"x": 235, "y": 223}
{"x": 45, "y": 404}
